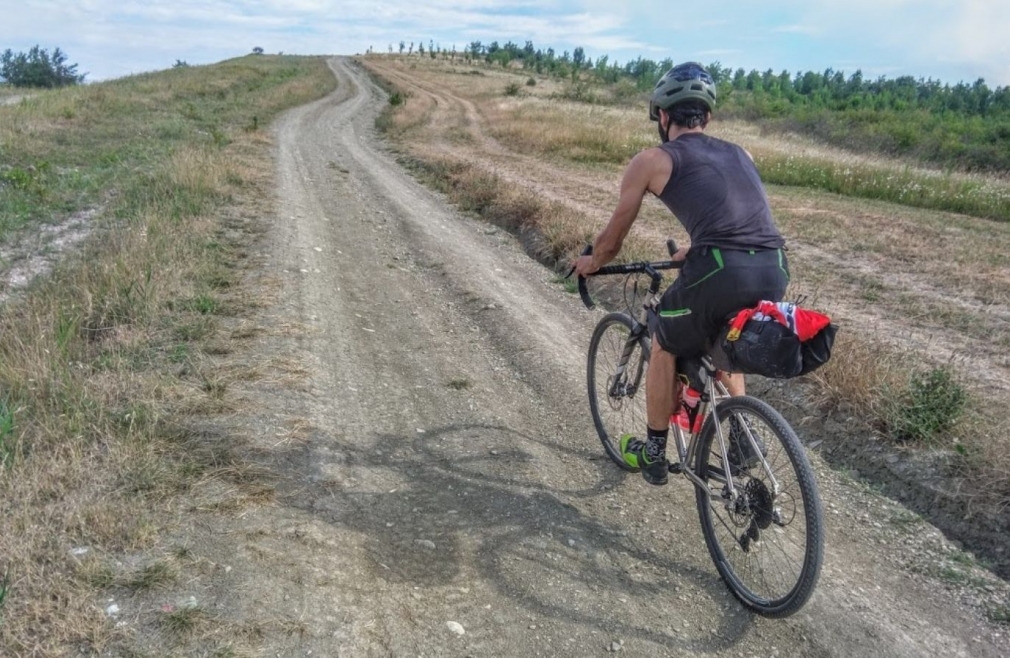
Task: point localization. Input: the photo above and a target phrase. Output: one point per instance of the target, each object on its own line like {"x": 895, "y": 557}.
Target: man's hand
{"x": 680, "y": 254}
{"x": 584, "y": 266}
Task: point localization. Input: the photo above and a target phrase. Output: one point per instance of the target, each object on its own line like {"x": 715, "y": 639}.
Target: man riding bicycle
{"x": 735, "y": 259}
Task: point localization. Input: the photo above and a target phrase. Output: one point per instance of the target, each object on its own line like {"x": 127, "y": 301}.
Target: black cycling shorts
{"x": 712, "y": 287}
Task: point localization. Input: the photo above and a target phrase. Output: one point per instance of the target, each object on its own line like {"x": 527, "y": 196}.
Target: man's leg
{"x": 650, "y": 455}
{"x": 733, "y": 382}
{"x": 659, "y": 387}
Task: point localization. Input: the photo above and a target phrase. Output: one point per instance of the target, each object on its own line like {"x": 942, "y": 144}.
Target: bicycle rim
{"x": 616, "y": 400}
{"x": 767, "y": 547}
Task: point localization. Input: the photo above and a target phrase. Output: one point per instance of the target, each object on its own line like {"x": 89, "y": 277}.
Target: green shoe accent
{"x": 630, "y": 458}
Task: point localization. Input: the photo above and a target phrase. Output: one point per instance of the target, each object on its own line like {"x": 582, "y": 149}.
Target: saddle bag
{"x": 779, "y": 341}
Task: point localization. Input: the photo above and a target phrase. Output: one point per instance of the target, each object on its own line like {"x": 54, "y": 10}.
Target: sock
{"x": 655, "y": 446}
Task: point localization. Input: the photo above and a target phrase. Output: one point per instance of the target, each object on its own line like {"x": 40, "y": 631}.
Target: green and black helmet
{"x": 684, "y": 82}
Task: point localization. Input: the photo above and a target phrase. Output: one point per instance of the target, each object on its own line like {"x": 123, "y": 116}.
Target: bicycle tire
{"x": 783, "y": 450}
{"x": 612, "y": 334}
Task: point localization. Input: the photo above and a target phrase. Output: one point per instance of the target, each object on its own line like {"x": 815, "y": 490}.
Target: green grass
{"x": 66, "y": 149}
{"x": 6, "y": 434}
{"x": 4, "y": 590}
{"x": 941, "y": 191}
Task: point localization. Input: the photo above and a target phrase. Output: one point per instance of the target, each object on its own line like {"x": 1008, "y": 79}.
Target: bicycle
{"x": 762, "y": 520}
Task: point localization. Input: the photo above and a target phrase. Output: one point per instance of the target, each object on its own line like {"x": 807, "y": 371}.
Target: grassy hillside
{"x": 101, "y": 359}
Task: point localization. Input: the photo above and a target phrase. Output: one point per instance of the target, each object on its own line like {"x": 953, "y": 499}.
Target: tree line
{"x": 38, "y": 68}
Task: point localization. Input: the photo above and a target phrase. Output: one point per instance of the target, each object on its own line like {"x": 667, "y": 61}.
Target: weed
{"x": 155, "y": 575}
{"x": 397, "y": 98}
{"x": 215, "y": 387}
{"x": 185, "y": 619}
{"x": 569, "y": 283}
{"x": 219, "y": 137}
{"x": 179, "y": 353}
{"x": 205, "y": 305}
{"x": 193, "y": 330}
{"x": 928, "y": 408}
{"x": 7, "y": 450}
{"x": 459, "y": 383}
{"x": 999, "y": 614}
{"x": 4, "y": 592}
{"x": 96, "y": 574}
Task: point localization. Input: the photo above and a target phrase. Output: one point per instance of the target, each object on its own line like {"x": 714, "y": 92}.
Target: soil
{"x": 441, "y": 490}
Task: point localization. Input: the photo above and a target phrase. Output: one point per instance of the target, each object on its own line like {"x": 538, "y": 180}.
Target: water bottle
{"x": 689, "y": 399}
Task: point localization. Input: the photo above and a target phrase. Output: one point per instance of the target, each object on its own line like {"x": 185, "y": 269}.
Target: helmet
{"x": 684, "y": 82}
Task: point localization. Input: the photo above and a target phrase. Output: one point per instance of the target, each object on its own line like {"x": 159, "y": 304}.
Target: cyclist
{"x": 735, "y": 259}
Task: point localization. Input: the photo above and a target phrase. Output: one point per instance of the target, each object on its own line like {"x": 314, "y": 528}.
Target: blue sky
{"x": 950, "y": 40}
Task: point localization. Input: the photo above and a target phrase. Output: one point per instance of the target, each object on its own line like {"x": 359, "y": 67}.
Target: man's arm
{"x": 636, "y": 182}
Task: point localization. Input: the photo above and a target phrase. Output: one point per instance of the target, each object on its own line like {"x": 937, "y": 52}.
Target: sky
{"x": 949, "y": 40}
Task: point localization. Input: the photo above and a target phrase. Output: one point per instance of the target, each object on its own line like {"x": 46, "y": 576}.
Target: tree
{"x": 420, "y": 49}
{"x": 180, "y": 64}
{"x": 578, "y": 57}
{"x": 257, "y": 51}
{"x": 37, "y": 68}
{"x": 402, "y": 46}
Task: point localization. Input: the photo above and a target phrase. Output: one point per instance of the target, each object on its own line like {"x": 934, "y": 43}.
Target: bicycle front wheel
{"x": 768, "y": 543}
{"x": 616, "y": 380}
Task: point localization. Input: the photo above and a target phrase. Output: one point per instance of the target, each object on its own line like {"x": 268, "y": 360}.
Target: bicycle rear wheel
{"x": 617, "y": 395}
{"x": 767, "y": 546}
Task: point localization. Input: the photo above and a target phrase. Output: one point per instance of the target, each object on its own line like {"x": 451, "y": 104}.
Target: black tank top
{"x": 716, "y": 193}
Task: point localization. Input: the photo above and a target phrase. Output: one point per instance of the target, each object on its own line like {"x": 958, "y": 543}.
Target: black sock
{"x": 655, "y": 446}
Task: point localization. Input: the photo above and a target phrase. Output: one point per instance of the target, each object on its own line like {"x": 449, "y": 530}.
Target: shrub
{"x": 929, "y": 407}
{"x": 397, "y": 98}
{"x": 512, "y": 89}
{"x": 531, "y": 82}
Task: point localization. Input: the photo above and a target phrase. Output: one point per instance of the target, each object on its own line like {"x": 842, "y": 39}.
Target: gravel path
{"x": 450, "y": 497}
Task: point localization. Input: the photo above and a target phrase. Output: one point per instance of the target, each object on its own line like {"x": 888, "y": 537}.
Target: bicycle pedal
{"x": 676, "y": 468}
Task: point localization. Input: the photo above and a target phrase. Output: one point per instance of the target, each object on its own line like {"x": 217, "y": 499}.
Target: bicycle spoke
{"x": 617, "y": 399}
{"x": 763, "y": 538}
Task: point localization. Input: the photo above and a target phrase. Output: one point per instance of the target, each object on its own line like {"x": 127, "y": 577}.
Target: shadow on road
{"x": 472, "y": 491}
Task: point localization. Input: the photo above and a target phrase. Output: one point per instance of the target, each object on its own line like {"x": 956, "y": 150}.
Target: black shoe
{"x": 655, "y": 471}
{"x": 741, "y": 453}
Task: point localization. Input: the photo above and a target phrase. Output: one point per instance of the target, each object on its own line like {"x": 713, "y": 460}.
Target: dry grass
{"x": 91, "y": 451}
{"x": 912, "y": 288}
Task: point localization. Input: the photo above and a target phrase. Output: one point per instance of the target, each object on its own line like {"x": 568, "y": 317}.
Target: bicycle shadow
{"x": 480, "y": 483}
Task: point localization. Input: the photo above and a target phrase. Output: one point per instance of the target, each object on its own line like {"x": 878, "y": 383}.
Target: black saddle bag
{"x": 771, "y": 349}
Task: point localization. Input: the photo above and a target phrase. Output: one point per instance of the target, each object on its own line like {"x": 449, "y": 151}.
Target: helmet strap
{"x": 664, "y": 133}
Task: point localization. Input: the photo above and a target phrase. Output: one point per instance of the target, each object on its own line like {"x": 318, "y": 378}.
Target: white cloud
{"x": 971, "y": 37}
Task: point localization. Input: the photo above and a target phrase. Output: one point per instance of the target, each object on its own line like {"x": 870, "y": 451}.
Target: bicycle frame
{"x": 714, "y": 390}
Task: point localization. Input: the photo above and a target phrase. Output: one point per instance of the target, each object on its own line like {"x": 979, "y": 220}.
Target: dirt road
{"x": 447, "y": 470}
